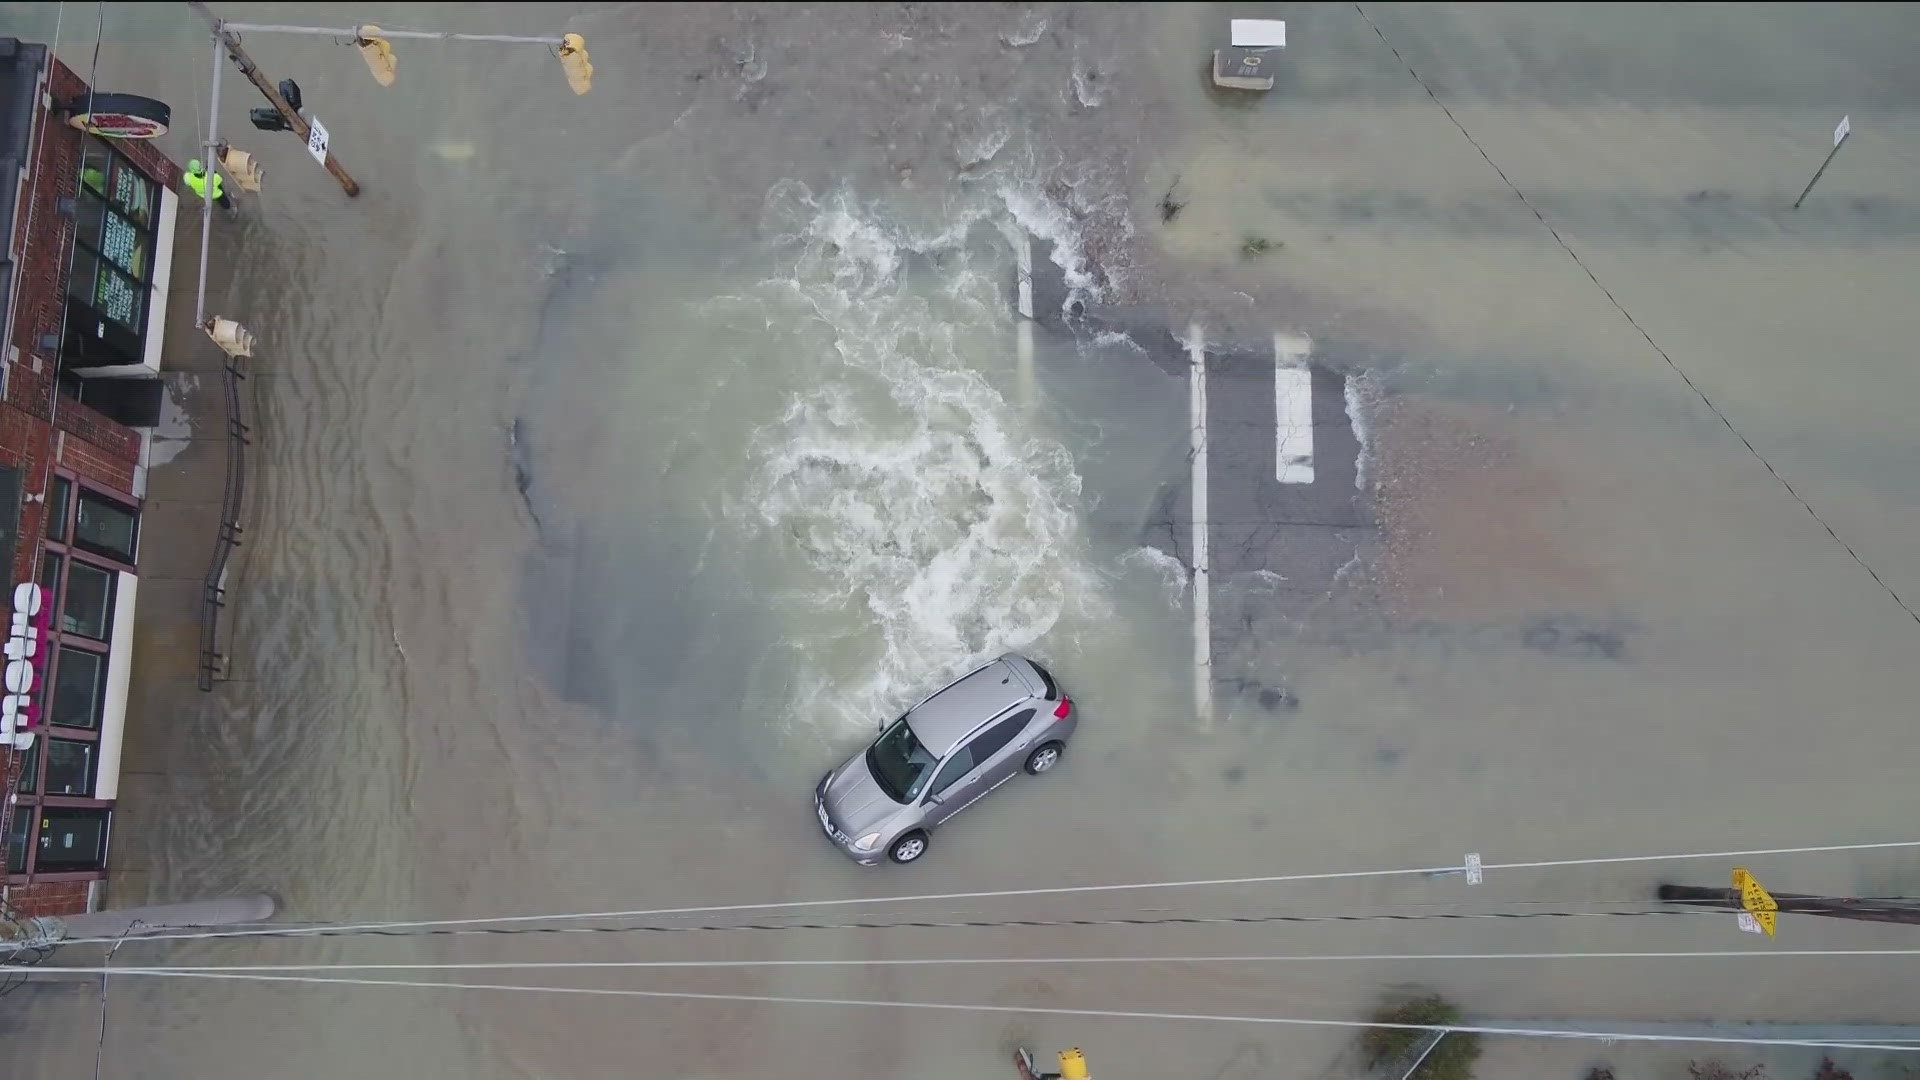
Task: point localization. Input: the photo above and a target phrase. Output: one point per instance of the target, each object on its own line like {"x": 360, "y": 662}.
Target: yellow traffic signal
{"x": 233, "y": 339}
{"x": 378, "y": 54}
{"x": 240, "y": 165}
{"x": 573, "y": 58}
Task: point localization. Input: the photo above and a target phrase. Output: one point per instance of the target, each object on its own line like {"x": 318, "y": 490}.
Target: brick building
{"x": 89, "y": 223}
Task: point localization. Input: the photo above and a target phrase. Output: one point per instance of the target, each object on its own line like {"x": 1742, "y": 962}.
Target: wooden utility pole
{"x": 294, "y": 120}
{"x": 1833, "y": 907}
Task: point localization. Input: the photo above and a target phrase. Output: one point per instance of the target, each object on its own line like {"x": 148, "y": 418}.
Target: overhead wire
{"x": 973, "y": 961}
{"x": 375, "y": 928}
{"x": 951, "y": 924}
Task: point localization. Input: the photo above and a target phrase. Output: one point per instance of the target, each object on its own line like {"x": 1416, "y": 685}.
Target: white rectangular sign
{"x": 1845, "y": 129}
{"x": 1750, "y": 924}
{"x": 317, "y": 139}
{"x": 1258, "y": 33}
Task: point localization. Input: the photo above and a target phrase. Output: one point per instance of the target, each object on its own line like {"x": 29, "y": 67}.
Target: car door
{"x": 999, "y": 751}
{"x": 986, "y": 760}
{"x": 948, "y": 791}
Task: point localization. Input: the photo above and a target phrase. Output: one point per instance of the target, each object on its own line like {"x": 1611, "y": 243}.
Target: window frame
{"x": 97, "y": 496}
{"x": 99, "y": 699}
{"x": 92, "y": 779}
{"x": 145, "y": 237}
{"x": 94, "y": 806}
{"x": 64, "y": 503}
{"x": 58, "y": 545}
{"x": 106, "y": 616}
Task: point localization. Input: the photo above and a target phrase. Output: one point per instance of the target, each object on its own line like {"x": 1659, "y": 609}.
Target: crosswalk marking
{"x": 1293, "y": 409}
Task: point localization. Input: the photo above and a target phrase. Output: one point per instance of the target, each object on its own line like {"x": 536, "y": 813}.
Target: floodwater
{"x": 622, "y": 461}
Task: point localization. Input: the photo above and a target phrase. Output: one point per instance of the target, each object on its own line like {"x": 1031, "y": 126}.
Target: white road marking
{"x": 1023, "y": 257}
{"x": 1023, "y": 331}
{"x": 1292, "y": 409}
{"x": 1028, "y": 384}
{"x": 1202, "y": 604}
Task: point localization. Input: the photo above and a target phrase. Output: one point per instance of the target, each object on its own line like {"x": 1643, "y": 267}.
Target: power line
{"x": 972, "y": 961}
{"x": 949, "y": 924}
{"x": 1635, "y": 323}
{"x": 1042, "y": 1010}
{"x": 1058, "y": 890}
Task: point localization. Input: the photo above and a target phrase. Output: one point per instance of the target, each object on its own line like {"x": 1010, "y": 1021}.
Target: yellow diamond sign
{"x": 1756, "y": 899}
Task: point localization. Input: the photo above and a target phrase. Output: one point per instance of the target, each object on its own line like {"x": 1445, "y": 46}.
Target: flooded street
{"x": 622, "y": 462}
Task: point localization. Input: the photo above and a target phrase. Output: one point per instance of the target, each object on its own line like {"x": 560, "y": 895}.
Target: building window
{"x": 30, "y": 769}
{"x": 9, "y": 516}
{"x": 19, "y": 835}
{"x": 50, "y": 576}
{"x": 114, "y": 243}
{"x": 88, "y": 610}
{"x": 57, "y": 497}
{"x": 71, "y": 840}
{"x": 79, "y": 688}
{"x": 70, "y": 767}
{"x": 106, "y": 527}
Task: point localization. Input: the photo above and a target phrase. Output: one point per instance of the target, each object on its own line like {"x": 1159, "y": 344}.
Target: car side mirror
{"x": 936, "y": 799}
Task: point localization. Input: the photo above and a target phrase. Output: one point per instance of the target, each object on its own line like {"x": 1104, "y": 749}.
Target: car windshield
{"x": 900, "y": 763}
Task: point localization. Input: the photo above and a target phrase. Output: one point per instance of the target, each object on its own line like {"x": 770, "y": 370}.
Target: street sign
{"x": 1749, "y": 924}
{"x": 1845, "y": 129}
{"x": 1475, "y": 873}
{"x": 1760, "y": 904}
{"x": 317, "y": 139}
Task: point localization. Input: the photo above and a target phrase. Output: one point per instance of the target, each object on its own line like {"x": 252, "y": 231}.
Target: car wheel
{"x": 908, "y": 848}
{"x": 1044, "y": 757}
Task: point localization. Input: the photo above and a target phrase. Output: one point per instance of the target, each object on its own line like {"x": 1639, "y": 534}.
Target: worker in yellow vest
{"x": 199, "y": 179}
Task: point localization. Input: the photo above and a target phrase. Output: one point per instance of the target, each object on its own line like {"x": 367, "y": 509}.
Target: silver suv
{"x": 943, "y": 754}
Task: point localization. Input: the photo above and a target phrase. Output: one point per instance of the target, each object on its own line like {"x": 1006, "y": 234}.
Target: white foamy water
{"x": 1170, "y": 572}
{"x": 938, "y": 527}
{"x": 1047, "y": 220}
{"x": 1362, "y": 390}
{"x": 1111, "y": 338}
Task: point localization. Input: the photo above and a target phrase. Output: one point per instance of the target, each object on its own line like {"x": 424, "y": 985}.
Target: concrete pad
{"x": 177, "y": 540}
{"x": 198, "y": 399}
{"x": 166, "y": 636}
{"x": 195, "y": 473}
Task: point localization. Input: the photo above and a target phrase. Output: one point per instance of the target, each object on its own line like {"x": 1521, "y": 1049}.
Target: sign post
{"x": 1840, "y": 134}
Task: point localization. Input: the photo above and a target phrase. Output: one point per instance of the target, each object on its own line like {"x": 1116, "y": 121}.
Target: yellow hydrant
{"x": 1073, "y": 1065}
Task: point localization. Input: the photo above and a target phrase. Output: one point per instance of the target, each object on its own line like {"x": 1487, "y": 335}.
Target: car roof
{"x": 941, "y": 721}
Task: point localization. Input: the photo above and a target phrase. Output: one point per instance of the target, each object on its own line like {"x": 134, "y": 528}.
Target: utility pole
{"x": 294, "y": 120}
{"x": 1833, "y": 907}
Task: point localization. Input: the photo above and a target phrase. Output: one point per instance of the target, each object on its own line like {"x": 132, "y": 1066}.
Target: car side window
{"x": 956, "y": 767}
{"x": 995, "y": 738}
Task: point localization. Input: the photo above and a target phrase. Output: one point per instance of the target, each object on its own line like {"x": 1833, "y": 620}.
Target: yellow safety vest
{"x": 199, "y": 185}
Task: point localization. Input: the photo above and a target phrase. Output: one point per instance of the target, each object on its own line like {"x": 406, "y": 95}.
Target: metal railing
{"x": 213, "y": 590}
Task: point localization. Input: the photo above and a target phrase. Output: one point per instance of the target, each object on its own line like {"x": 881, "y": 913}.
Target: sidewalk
{"x": 185, "y": 479}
